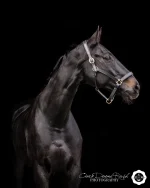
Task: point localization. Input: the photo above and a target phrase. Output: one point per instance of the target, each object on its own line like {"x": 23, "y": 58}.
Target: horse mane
{"x": 58, "y": 63}
{"x": 71, "y": 47}
{"x": 23, "y": 106}
{"x": 19, "y": 111}
{"x": 56, "y": 67}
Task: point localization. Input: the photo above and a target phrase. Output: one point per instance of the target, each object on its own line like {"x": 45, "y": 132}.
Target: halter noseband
{"x": 95, "y": 69}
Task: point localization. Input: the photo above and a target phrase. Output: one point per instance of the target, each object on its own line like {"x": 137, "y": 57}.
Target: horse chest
{"x": 47, "y": 135}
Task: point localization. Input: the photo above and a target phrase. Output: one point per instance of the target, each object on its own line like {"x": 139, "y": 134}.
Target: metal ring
{"x": 91, "y": 60}
{"x": 108, "y": 101}
{"x": 119, "y": 82}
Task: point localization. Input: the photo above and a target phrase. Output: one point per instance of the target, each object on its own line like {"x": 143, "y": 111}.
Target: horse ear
{"x": 99, "y": 34}
{"x": 96, "y": 37}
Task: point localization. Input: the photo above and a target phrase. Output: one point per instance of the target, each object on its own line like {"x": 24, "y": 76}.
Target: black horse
{"x": 46, "y": 136}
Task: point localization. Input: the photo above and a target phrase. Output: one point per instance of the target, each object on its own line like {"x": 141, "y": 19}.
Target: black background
{"x": 115, "y": 137}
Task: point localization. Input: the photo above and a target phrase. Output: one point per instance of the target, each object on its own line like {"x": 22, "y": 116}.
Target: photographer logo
{"x": 138, "y": 177}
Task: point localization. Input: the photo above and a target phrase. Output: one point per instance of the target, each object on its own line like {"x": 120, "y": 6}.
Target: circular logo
{"x": 138, "y": 177}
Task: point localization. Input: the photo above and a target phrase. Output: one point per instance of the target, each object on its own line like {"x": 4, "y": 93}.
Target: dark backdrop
{"x": 115, "y": 137}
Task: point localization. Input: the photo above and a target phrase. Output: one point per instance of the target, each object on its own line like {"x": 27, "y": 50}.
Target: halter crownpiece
{"x": 95, "y": 69}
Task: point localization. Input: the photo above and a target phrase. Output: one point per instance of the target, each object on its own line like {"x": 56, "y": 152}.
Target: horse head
{"x": 102, "y": 69}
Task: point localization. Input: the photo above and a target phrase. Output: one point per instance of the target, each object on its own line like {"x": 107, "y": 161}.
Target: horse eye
{"x": 106, "y": 56}
{"x": 96, "y": 55}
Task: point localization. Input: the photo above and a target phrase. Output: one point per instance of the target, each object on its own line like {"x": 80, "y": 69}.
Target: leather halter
{"x": 95, "y": 69}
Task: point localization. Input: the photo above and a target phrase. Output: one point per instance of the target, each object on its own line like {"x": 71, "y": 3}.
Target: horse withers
{"x": 46, "y": 137}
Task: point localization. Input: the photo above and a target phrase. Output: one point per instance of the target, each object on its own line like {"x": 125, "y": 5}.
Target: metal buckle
{"x": 94, "y": 67}
{"x": 109, "y": 101}
{"x": 91, "y": 60}
{"x": 119, "y": 82}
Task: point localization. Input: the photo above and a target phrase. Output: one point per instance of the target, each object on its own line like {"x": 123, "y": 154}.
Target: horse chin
{"x": 128, "y": 98}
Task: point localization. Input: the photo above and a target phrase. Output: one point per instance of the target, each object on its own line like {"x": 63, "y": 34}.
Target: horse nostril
{"x": 137, "y": 87}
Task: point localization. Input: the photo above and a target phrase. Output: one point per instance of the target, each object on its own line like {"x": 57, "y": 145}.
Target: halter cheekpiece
{"x": 95, "y": 69}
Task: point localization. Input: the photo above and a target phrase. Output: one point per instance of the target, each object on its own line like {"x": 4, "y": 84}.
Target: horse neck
{"x": 56, "y": 99}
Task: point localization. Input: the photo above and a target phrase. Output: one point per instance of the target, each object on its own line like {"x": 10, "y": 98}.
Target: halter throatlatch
{"x": 118, "y": 82}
